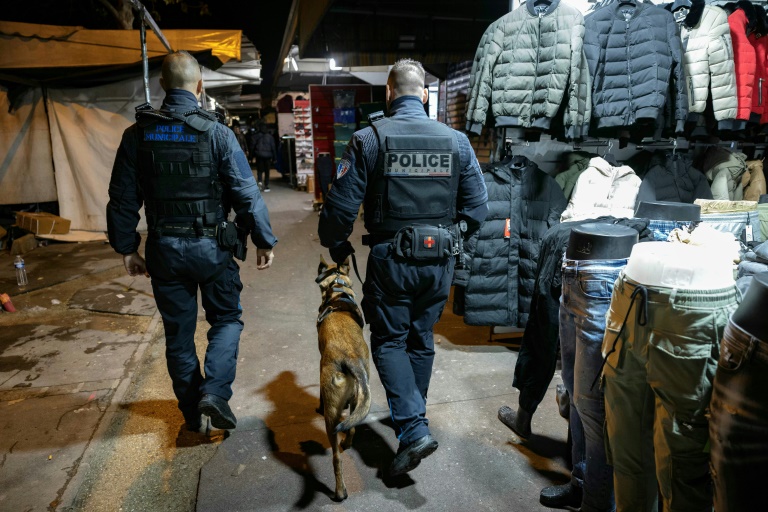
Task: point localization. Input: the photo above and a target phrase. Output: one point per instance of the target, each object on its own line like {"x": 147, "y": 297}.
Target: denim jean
{"x": 662, "y": 228}
{"x": 587, "y": 288}
{"x": 661, "y": 347}
{"x": 738, "y": 427}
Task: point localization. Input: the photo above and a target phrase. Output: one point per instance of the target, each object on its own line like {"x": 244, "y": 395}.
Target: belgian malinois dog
{"x": 344, "y": 365}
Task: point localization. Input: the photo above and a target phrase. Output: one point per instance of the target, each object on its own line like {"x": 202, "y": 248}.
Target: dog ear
{"x": 323, "y": 265}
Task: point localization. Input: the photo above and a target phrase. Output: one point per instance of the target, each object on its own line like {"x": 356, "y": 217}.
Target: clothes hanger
{"x": 608, "y": 156}
{"x": 677, "y": 4}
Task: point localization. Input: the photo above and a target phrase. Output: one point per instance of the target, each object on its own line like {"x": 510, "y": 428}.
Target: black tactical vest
{"x": 177, "y": 175}
{"x": 416, "y": 178}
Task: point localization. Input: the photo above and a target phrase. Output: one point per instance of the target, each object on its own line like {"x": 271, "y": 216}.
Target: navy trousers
{"x": 179, "y": 267}
{"x": 402, "y": 302}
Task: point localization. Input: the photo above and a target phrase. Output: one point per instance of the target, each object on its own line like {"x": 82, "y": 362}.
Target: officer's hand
{"x": 340, "y": 253}
{"x": 135, "y": 264}
{"x": 264, "y": 258}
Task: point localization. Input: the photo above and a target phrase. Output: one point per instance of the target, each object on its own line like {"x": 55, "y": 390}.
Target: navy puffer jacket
{"x": 673, "y": 178}
{"x": 503, "y": 270}
{"x": 635, "y": 57}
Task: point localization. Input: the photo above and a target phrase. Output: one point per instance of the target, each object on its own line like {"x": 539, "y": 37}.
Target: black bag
{"x": 423, "y": 243}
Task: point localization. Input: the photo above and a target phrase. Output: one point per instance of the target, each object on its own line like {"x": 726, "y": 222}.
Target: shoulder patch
{"x": 344, "y": 166}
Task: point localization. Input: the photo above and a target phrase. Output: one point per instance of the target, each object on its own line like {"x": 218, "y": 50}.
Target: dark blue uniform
{"x": 403, "y": 298}
{"x": 181, "y": 263}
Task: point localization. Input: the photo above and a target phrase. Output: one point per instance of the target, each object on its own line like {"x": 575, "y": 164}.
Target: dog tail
{"x": 362, "y": 398}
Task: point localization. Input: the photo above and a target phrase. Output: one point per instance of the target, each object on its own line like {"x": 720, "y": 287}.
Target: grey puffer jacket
{"x": 723, "y": 170}
{"x": 673, "y": 178}
{"x": 503, "y": 269}
{"x": 529, "y": 65}
{"x": 634, "y": 54}
{"x": 708, "y": 52}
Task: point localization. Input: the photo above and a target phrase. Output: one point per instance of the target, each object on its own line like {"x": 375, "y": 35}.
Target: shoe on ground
{"x": 218, "y": 410}
{"x": 267, "y": 189}
{"x": 561, "y": 496}
{"x": 410, "y": 456}
{"x": 519, "y": 422}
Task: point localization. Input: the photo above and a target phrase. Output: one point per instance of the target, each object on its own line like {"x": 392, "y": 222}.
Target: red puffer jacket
{"x": 760, "y": 91}
{"x": 745, "y": 60}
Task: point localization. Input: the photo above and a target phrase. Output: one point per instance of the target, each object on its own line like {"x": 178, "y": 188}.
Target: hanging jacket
{"x": 708, "y": 52}
{"x": 723, "y": 170}
{"x": 474, "y": 95}
{"x": 503, "y": 269}
{"x": 753, "y": 181}
{"x": 745, "y": 63}
{"x": 673, "y": 178}
{"x": 532, "y": 64}
{"x": 634, "y": 54}
{"x": 760, "y": 91}
{"x": 603, "y": 189}
{"x": 575, "y": 164}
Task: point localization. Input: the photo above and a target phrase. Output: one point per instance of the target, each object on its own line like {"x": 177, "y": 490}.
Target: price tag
{"x": 750, "y": 237}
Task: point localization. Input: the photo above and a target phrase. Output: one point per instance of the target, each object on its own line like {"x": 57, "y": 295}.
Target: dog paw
{"x": 340, "y": 496}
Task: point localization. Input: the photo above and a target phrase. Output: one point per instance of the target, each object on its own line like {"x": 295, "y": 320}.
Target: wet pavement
{"x": 88, "y": 420}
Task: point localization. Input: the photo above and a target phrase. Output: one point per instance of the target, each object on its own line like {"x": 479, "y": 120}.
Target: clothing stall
{"x": 627, "y": 205}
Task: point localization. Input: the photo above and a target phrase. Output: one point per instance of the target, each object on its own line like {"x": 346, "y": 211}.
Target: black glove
{"x": 341, "y": 252}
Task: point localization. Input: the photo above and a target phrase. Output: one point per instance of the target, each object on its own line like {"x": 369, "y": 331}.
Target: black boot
{"x": 519, "y": 422}
{"x": 561, "y": 496}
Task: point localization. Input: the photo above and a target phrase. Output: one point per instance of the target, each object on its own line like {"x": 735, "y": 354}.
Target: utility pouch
{"x": 423, "y": 243}
{"x": 232, "y": 239}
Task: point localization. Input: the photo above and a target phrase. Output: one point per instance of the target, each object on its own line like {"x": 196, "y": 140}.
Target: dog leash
{"x": 354, "y": 265}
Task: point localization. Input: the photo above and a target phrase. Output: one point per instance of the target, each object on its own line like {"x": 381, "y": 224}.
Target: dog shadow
{"x": 541, "y": 452}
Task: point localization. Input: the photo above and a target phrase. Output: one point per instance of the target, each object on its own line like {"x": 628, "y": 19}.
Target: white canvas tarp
{"x": 26, "y": 164}
{"x": 86, "y": 128}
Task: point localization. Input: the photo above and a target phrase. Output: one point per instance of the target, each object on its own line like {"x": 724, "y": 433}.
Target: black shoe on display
{"x": 409, "y": 457}
{"x": 561, "y": 496}
{"x": 218, "y": 410}
{"x": 519, "y": 422}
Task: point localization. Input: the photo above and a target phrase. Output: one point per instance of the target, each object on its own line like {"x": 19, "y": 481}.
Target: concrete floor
{"x": 88, "y": 420}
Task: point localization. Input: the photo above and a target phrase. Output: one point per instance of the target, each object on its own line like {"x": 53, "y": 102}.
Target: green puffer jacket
{"x": 724, "y": 170}
{"x": 531, "y": 64}
{"x": 575, "y": 164}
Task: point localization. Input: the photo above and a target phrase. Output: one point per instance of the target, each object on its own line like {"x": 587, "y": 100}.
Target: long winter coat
{"x": 603, "y": 189}
{"x": 708, "y": 52}
{"x": 673, "y": 178}
{"x": 632, "y": 62}
{"x": 503, "y": 269}
{"x": 533, "y": 63}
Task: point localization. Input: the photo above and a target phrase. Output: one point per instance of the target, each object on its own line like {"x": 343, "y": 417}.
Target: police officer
{"x": 416, "y": 179}
{"x": 188, "y": 171}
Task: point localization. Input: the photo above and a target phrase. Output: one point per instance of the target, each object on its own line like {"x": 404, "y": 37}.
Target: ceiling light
{"x": 332, "y": 65}
{"x": 294, "y": 65}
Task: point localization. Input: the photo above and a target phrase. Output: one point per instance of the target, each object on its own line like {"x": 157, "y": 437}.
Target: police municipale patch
{"x": 344, "y": 166}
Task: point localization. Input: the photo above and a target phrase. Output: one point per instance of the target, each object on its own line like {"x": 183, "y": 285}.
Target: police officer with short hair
{"x": 188, "y": 171}
{"x": 417, "y": 180}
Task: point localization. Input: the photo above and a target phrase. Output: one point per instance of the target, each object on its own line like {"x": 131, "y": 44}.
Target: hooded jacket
{"x": 603, "y": 189}
{"x": 745, "y": 62}
{"x": 673, "y": 178}
{"x": 575, "y": 163}
{"x": 724, "y": 170}
{"x": 708, "y": 52}
{"x": 634, "y": 54}
{"x": 503, "y": 268}
{"x": 531, "y": 64}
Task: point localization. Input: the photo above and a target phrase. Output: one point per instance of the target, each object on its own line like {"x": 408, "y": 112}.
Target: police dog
{"x": 344, "y": 365}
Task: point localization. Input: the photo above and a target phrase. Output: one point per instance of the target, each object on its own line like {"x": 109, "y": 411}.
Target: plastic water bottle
{"x": 21, "y": 271}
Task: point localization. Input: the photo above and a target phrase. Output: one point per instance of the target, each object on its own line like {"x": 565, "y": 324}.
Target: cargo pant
{"x": 587, "y": 288}
{"x": 738, "y": 427}
{"x": 662, "y": 347}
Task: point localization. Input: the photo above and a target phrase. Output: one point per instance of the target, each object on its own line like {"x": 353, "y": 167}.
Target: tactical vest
{"x": 416, "y": 178}
{"x": 177, "y": 175}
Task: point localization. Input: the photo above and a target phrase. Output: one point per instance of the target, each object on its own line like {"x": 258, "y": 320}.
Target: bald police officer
{"x": 416, "y": 179}
{"x": 188, "y": 171}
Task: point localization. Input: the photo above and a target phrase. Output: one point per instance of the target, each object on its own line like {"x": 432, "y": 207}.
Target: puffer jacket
{"x": 575, "y": 164}
{"x": 745, "y": 62}
{"x": 760, "y": 91}
{"x": 503, "y": 269}
{"x": 474, "y": 93}
{"x": 532, "y": 64}
{"x": 723, "y": 170}
{"x": 673, "y": 178}
{"x": 753, "y": 181}
{"x": 708, "y": 52}
{"x": 632, "y": 63}
{"x": 603, "y": 190}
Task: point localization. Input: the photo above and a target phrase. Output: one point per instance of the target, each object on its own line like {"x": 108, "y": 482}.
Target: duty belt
{"x": 187, "y": 231}
{"x": 376, "y": 239}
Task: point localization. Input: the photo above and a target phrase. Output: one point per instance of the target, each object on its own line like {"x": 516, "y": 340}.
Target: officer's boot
{"x": 561, "y": 496}
{"x": 519, "y": 422}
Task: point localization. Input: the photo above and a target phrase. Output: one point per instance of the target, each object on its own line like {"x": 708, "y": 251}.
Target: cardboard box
{"x": 42, "y": 223}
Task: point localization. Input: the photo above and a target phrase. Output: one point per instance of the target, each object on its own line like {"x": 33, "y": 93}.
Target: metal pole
{"x": 147, "y": 18}
{"x": 144, "y": 59}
